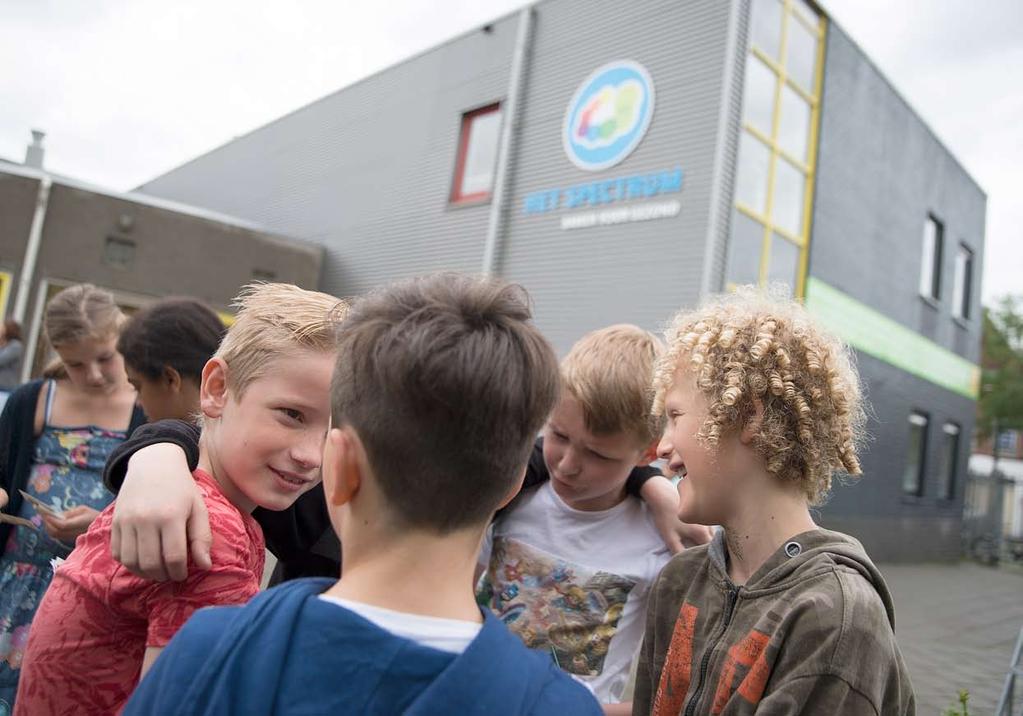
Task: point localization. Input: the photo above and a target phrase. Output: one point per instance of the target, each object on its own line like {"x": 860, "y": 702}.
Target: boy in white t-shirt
{"x": 568, "y": 566}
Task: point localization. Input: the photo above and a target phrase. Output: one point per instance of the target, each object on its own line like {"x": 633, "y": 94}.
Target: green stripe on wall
{"x": 877, "y": 335}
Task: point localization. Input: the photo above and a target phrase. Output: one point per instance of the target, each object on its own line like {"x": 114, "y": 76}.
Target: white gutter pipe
{"x": 510, "y": 124}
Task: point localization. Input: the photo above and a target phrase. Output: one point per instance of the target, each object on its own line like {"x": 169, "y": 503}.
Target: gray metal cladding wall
{"x": 891, "y": 525}
{"x": 881, "y": 171}
{"x": 366, "y": 171}
{"x": 640, "y": 272}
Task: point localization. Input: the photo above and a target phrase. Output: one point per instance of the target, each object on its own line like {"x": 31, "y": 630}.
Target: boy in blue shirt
{"x": 440, "y": 386}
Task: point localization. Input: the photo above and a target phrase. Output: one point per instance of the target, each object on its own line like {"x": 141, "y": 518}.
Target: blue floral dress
{"x": 67, "y": 471}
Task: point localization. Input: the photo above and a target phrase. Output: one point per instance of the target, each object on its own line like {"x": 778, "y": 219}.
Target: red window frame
{"x": 465, "y": 132}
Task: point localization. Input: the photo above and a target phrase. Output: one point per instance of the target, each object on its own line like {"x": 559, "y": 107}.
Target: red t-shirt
{"x": 92, "y": 628}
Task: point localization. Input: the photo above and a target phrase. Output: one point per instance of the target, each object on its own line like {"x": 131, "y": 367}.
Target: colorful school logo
{"x": 608, "y": 115}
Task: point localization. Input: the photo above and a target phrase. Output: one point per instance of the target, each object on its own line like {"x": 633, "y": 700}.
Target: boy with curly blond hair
{"x": 775, "y": 615}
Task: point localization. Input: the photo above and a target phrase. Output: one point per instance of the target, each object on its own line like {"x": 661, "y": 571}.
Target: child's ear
{"x": 171, "y": 378}
{"x": 213, "y": 388}
{"x": 649, "y": 453}
{"x": 752, "y": 427}
{"x": 514, "y": 491}
{"x": 342, "y": 466}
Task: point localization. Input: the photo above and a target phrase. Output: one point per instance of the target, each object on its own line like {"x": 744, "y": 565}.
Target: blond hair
{"x": 79, "y": 312}
{"x": 609, "y": 371}
{"x": 748, "y": 348}
{"x": 276, "y": 320}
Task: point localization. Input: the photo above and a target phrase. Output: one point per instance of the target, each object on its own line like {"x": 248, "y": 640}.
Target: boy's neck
{"x": 760, "y": 527}
{"x": 416, "y": 573}
{"x": 209, "y": 464}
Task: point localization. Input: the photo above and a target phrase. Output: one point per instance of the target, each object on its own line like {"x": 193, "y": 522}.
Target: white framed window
{"x": 930, "y": 262}
{"x": 916, "y": 451}
{"x": 477, "y": 155}
{"x": 963, "y": 285}
{"x": 949, "y": 461}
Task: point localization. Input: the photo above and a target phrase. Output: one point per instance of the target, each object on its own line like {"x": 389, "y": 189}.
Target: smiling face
{"x": 588, "y": 471}
{"x": 93, "y": 364}
{"x": 711, "y": 479}
{"x": 265, "y": 449}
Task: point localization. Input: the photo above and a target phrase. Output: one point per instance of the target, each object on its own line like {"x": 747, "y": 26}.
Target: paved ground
{"x": 956, "y": 626}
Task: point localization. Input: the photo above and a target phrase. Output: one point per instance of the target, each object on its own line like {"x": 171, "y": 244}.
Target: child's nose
{"x": 309, "y": 452}
{"x": 569, "y": 463}
{"x": 665, "y": 448}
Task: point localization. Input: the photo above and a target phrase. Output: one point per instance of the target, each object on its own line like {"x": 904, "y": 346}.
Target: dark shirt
{"x": 301, "y": 537}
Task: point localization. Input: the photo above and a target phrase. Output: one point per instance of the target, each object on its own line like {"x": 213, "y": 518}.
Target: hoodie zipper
{"x": 730, "y": 600}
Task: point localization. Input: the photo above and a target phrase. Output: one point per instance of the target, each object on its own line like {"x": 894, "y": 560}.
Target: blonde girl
{"x": 55, "y": 436}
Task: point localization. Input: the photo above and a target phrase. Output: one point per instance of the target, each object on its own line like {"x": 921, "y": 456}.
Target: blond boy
{"x": 265, "y": 411}
{"x": 570, "y": 564}
{"x": 775, "y": 616}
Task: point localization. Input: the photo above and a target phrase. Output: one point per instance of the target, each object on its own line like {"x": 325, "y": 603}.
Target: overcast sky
{"x": 127, "y": 89}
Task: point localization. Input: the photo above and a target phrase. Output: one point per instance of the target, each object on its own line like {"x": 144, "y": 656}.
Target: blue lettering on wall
{"x": 609, "y": 191}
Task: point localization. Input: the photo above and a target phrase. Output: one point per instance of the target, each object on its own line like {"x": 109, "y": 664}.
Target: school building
{"x": 624, "y": 159}
{"x": 56, "y": 231}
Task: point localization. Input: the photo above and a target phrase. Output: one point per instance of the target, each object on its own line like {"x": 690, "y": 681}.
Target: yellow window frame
{"x": 809, "y": 168}
{"x": 6, "y": 280}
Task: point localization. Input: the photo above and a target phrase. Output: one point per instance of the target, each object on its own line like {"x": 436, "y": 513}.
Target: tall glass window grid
{"x": 778, "y": 145}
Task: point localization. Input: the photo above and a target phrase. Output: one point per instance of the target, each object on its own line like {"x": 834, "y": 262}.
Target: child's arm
{"x": 152, "y": 652}
{"x": 661, "y": 498}
{"x": 159, "y": 515}
{"x": 620, "y": 709}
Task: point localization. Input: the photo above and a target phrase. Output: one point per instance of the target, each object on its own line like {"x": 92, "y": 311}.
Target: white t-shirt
{"x": 575, "y": 584}
{"x": 450, "y": 635}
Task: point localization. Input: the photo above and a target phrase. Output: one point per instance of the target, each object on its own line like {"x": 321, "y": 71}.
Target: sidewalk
{"x": 956, "y": 625}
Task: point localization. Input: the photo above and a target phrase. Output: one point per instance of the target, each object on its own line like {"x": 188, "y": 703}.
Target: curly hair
{"x": 747, "y": 348}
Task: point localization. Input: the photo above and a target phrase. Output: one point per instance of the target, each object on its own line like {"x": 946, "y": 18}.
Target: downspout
{"x": 35, "y": 237}
{"x": 504, "y": 150}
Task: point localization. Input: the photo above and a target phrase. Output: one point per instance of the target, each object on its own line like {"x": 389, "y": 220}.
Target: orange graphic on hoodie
{"x": 678, "y": 665}
{"x": 750, "y": 653}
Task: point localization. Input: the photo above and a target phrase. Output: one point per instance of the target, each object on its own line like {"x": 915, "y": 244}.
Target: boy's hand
{"x": 661, "y": 498}
{"x": 160, "y": 516}
{"x": 3, "y": 498}
{"x": 74, "y": 522}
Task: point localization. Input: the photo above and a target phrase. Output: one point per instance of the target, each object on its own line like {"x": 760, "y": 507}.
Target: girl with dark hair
{"x": 165, "y": 346}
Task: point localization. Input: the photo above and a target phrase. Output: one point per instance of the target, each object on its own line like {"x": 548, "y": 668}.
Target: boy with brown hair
{"x": 775, "y": 615}
{"x": 440, "y": 386}
{"x": 262, "y": 397}
{"x": 572, "y": 560}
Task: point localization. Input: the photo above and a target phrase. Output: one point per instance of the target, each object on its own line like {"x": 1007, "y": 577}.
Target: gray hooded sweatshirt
{"x": 811, "y": 632}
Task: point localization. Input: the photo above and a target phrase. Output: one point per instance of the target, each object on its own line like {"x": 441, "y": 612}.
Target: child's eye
{"x": 558, "y": 436}
{"x": 599, "y": 456}
{"x": 292, "y": 414}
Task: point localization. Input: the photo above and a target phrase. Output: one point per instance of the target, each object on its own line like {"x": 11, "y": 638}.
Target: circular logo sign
{"x": 608, "y": 115}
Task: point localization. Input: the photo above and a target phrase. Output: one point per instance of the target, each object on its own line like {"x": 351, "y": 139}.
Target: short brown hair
{"x": 81, "y": 311}
{"x": 273, "y": 321}
{"x": 748, "y": 347}
{"x": 446, "y": 382}
{"x": 610, "y": 372}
